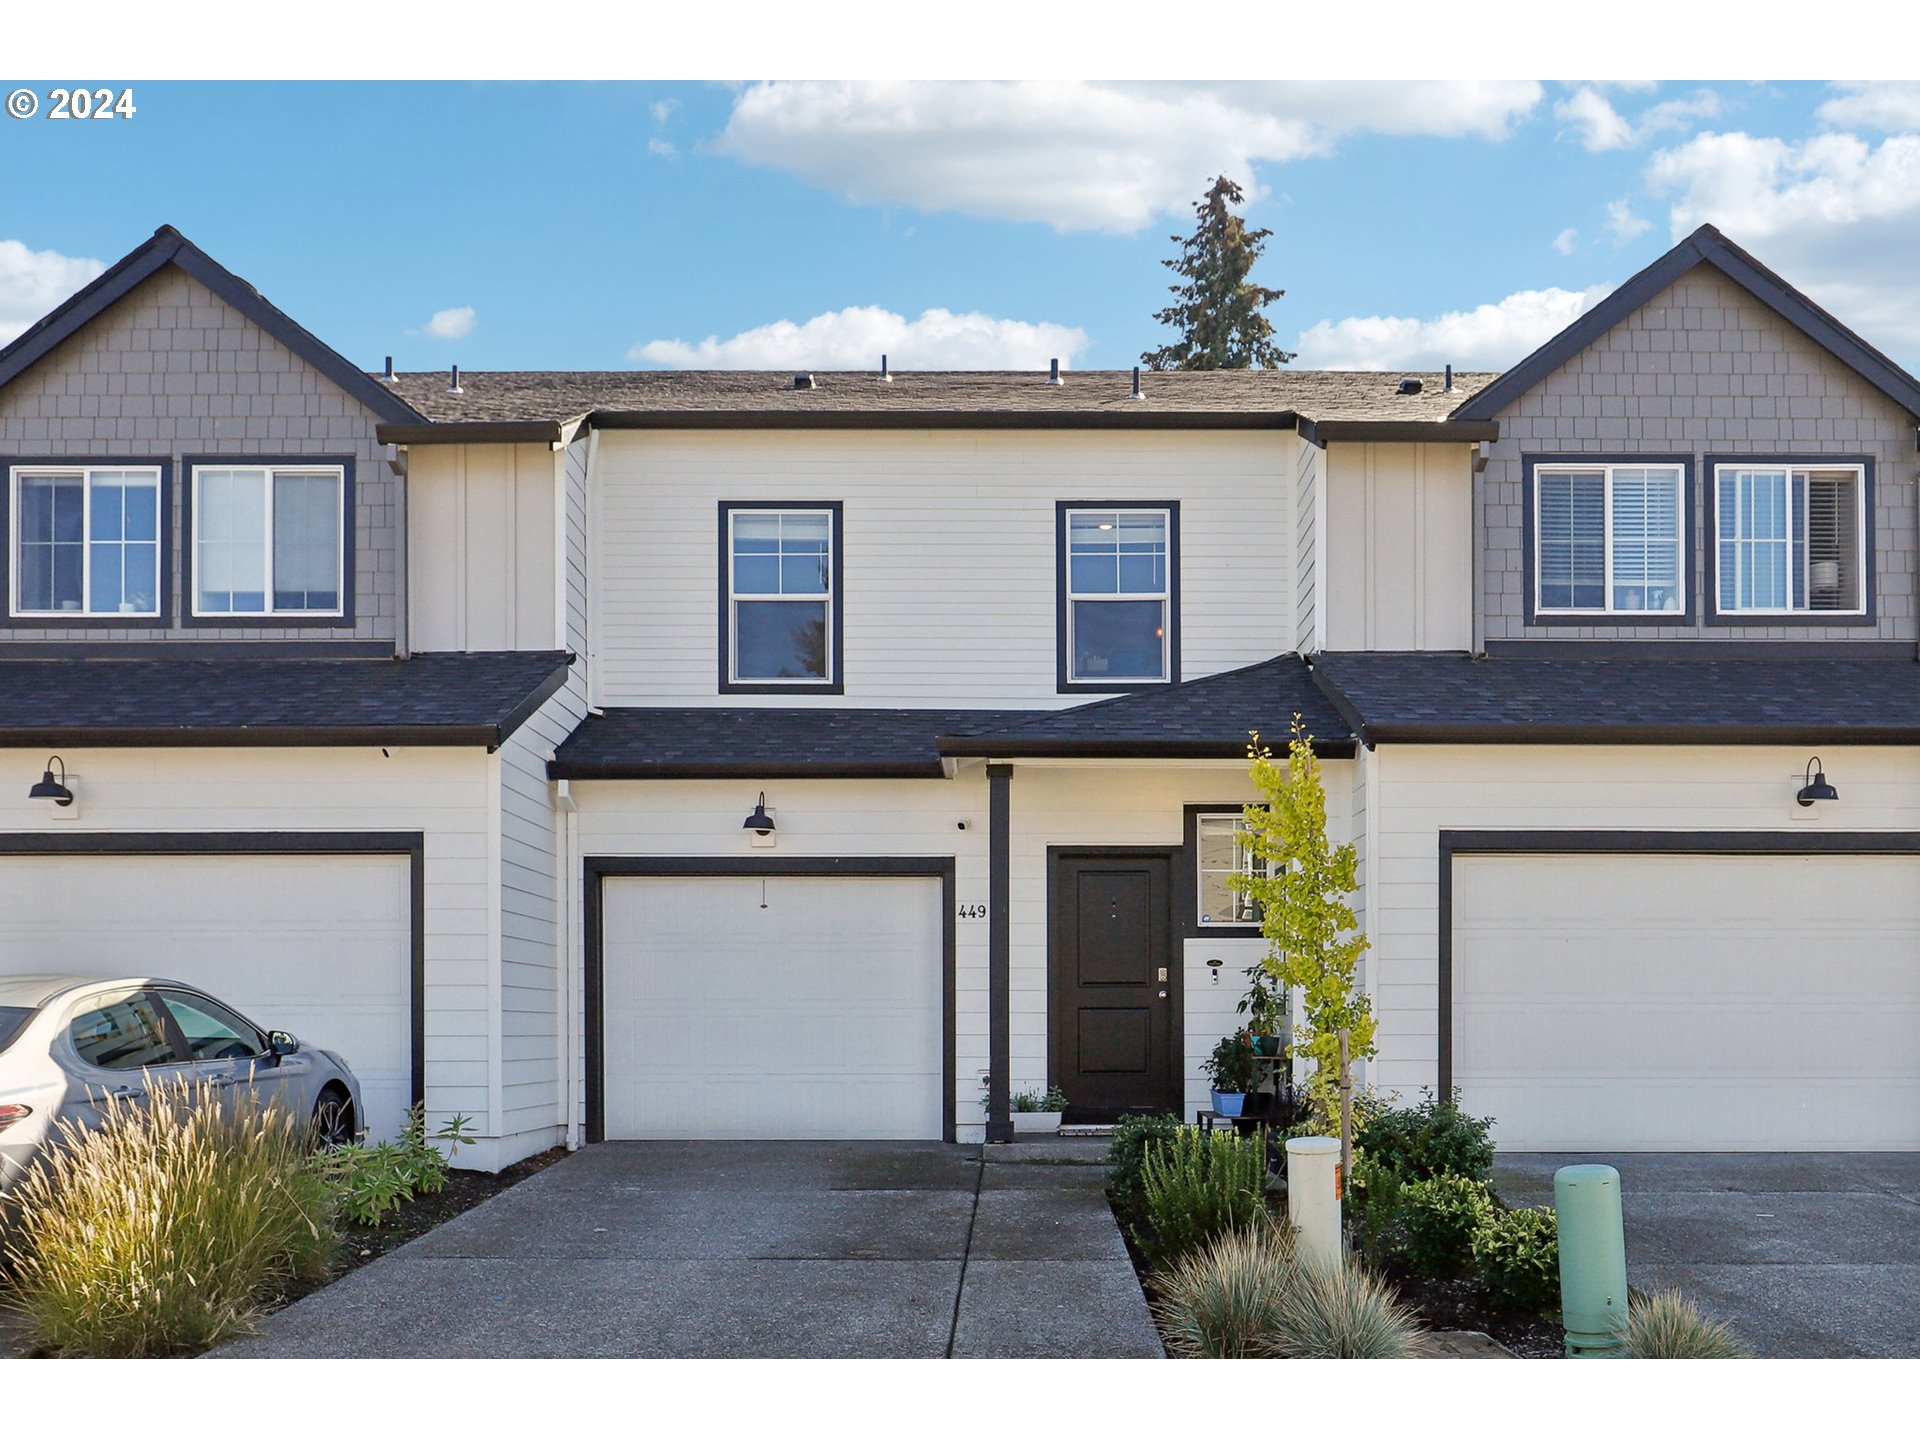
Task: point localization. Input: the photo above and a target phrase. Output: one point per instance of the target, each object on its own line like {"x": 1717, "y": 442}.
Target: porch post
{"x": 999, "y": 951}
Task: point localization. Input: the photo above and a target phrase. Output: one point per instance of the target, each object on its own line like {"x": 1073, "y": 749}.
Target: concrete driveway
{"x": 1803, "y": 1255}
{"x": 784, "y": 1249}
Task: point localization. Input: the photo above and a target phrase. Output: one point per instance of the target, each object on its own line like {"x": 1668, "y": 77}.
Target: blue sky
{"x": 612, "y": 224}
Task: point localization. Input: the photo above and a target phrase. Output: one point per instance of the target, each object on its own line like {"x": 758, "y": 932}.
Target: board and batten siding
{"x": 949, "y": 570}
{"x": 484, "y": 553}
{"x": 1397, "y": 555}
{"x": 1422, "y": 790}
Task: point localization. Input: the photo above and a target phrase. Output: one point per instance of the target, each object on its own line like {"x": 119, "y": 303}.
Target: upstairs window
{"x": 86, "y": 541}
{"x": 1609, "y": 539}
{"x": 781, "y": 569}
{"x": 1790, "y": 539}
{"x": 1118, "y": 582}
{"x": 269, "y": 540}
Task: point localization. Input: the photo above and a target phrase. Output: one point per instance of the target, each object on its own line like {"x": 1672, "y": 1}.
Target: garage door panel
{"x": 320, "y": 945}
{"x": 797, "y": 1007}
{"x": 1623, "y": 1002}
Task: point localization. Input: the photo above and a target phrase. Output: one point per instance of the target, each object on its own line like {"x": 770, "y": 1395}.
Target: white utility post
{"x": 1313, "y": 1198}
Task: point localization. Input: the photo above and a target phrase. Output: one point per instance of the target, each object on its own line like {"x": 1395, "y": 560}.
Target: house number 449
{"x": 973, "y": 912}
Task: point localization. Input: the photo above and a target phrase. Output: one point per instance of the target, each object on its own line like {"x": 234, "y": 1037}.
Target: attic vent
{"x": 453, "y": 381}
{"x": 1409, "y": 387}
{"x": 389, "y": 376}
{"x": 1053, "y": 372}
{"x": 803, "y": 380}
{"x": 1138, "y": 393}
{"x": 885, "y": 373}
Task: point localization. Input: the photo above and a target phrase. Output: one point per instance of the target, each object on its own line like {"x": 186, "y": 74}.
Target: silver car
{"x": 67, "y": 1043}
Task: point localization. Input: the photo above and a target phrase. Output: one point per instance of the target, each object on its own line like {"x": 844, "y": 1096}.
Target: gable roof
{"x": 1705, "y": 246}
{"x": 169, "y": 247}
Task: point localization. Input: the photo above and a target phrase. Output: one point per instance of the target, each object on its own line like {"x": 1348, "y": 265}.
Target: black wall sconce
{"x": 51, "y": 789}
{"x": 759, "y": 821}
{"x": 1816, "y": 787}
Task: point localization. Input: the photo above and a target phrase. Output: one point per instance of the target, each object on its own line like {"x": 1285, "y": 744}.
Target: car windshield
{"x": 13, "y": 1019}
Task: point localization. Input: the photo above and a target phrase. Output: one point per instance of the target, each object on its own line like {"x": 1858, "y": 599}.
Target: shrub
{"x": 1439, "y": 1217}
{"x": 1373, "y": 1200}
{"x": 369, "y": 1181}
{"x": 1341, "y": 1312}
{"x": 1668, "y": 1326}
{"x": 1132, "y": 1137}
{"x": 1222, "y": 1301}
{"x": 1197, "y": 1186}
{"x": 1232, "y": 1068}
{"x": 1516, "y": 1254}
{"x": 161, "y": 1232}
{"x": 1047, "y": 1101}
{"x": 1421, "y": 1141}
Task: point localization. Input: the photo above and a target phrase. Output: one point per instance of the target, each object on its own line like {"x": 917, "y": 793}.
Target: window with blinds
{"x": 1790, "y": 540}
{"x": 1609, "y": 539}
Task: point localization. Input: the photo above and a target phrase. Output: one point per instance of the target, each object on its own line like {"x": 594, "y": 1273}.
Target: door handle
{"x": 1163, "y": 994}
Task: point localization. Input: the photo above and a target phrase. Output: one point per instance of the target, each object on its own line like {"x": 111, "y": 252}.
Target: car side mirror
{"x": 280, "y": 1044}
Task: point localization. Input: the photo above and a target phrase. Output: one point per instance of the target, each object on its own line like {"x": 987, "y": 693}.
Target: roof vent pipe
{"x": 803, "y": 380}
{"x": 886, "y": 375}
{"x": 453, "y": 382}
{"x": 1053, "y": 371}
{"x": 1449, "y": 379}
{"x": 1138, "y": 393}
{"x": 389, "y": 376}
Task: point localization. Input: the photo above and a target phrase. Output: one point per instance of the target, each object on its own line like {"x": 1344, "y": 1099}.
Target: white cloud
{"x": 1622, "y": 224}
{"x": 451, "y": 324}
{"x": 1597, "y": 125}
{"x": 32, "y": 282}
{"x": 662, "y": 110}
{"x": 1488, "y": 337}
{"x": 855, "y": 338}
{"x": 1887, "y": 105}
{"x": 1566, "y": 240}
{"x": 1082, "y": 156}
{"x": 1835, "y": 214}
{"x": 665, "y": 149}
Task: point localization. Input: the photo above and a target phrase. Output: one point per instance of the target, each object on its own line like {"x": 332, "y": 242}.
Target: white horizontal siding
{"x": 949, "y": 570}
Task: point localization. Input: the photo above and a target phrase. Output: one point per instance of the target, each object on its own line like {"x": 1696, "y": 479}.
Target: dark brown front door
{"x": 1110, "y": 983}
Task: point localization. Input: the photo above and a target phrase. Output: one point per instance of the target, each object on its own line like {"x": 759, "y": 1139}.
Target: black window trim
{"x": 349, "y": 544}
{"x": 1064, "y": 682}
{"x": 1532, "y": 615}
{"x": 835, "y": 683}
{"x": 1189, "y": 891}
{"x": 1798, "y": 619}
{"x": 162, "y": 463}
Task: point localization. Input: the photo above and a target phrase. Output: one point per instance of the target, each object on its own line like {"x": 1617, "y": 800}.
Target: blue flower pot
{"x": 1228, "y": 1104}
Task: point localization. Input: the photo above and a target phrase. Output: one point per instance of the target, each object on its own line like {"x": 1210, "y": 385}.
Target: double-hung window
{"x": 1790, "y": 539}
{"x": 1609, "y": 538}
{"x": 781, "y": 570}
{"x": 1119, "y": 579}
{"x": 269, "y": 539}
{"x": 86, "y": 541}
{"x": 1220, "y": 851}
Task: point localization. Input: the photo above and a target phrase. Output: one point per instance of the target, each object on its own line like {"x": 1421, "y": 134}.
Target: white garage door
{"x": 1689, "y": 1002}
{"x": 791, "y": 1008}
{"x": 320, "y": 945}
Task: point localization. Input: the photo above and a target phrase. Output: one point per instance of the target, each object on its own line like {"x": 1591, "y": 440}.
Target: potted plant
{"x": 1265, "y": 1006}
{"x": 1232, "y": 1073}
{"x": 1037, "y": 1112}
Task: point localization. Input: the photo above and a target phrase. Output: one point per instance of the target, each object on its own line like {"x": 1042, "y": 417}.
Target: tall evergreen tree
{"x": 1218, "y": 313}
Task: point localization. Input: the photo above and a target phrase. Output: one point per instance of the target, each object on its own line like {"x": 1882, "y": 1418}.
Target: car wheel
{"x": 332, "y": 1120}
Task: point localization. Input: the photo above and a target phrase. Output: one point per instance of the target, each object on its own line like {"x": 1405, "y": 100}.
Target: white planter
{"x": 1035, "y": 1122}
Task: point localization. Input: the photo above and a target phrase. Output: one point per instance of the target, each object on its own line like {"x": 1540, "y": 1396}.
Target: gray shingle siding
{"x": 1702, "y": 369}
{"x": 174, "y": 370}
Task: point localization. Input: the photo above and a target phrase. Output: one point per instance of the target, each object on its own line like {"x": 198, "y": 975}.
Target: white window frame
{"x": 1723, "y": 471}
{"x": 86, "y": 471}
{"x": 242, "y": 617}
{"x": 1684, "y": 582}
{"x": 734, "y": 597}
{"x": 1255, "y": 865}
{"x": 1164, "y": 595}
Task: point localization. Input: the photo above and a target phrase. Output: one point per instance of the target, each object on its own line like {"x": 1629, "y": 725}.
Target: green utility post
{"x": 1593, "y": 1259}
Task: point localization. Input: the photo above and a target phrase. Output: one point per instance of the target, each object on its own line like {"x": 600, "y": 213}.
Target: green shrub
{"x": 1516, "y": 1255}
{"x": 1035, "y": 1102}
{"x": 1222, "y": 1301}
{"x": 1668, "y": 1326}
{"x": 370, "y": 1181}
{"x": 1132, "y": 1137}
{"x": 161, "y": 1232}
{"x": 1421, "y": 1141}
{"x": 1197, "y": 1186}
{"x": 1439, "y": 1217}
{"x": 1373, "y": 1200}
{"x": 1232, "y": 1069}
{"x": 1341, "y": 1312}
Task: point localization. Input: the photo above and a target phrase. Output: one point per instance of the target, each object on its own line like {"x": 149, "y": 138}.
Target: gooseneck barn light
{"x": 50, "y": 788}
{"x": 759, "y": 821}
{"x": 1816, "y": 787}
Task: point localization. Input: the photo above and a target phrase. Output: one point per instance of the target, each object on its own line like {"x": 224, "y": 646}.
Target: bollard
{"x": 1593, "y": 1259}
{"x": 1313, "y": 1197}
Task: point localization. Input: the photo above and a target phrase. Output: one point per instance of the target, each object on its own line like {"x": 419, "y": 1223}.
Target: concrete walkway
{"x": 788, "y": 1249}
{"x": 1803, "y": 1255}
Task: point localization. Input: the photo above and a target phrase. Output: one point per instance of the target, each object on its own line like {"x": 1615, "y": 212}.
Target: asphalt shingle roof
{"x": 562, "y": 395}
{"x": 440, "y": 699}
{"x": 1519, "y": 699}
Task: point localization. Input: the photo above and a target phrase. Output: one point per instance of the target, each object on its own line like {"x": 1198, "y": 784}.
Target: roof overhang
{"x": 476, "y": 432}
{"x": 1143, "y": 418}
{"x": 1537, "y": 734}
{"x": 976, "y": 747}
{"x": 1432, "y": 432}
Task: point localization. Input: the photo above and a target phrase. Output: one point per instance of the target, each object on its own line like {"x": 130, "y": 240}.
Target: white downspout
{"x": 571, "y": 1019}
